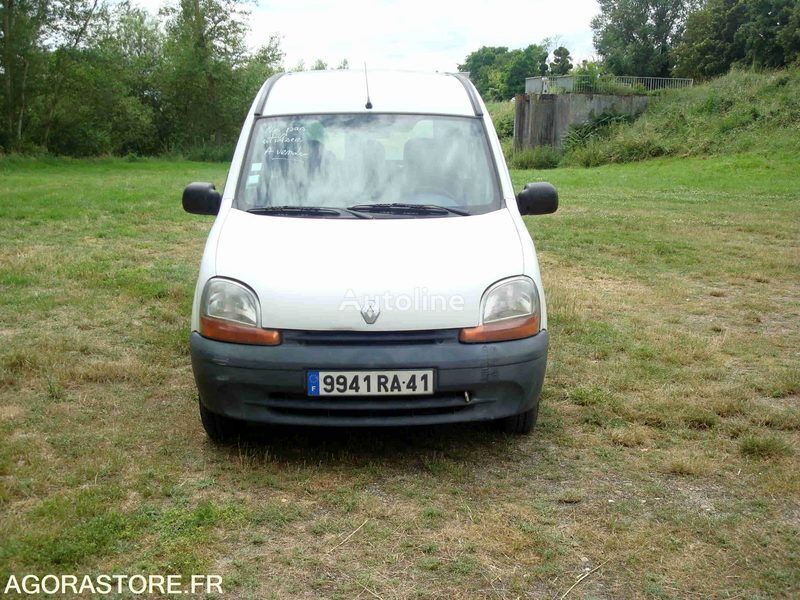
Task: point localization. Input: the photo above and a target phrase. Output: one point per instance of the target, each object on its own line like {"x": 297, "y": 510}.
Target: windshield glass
{"x": 343, "y": 160}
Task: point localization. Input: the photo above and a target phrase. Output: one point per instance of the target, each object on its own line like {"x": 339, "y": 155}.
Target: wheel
{"x": 520, "y": 424}
{"x": 218, "y": 428}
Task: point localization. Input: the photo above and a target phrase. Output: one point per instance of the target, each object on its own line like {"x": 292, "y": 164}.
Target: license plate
{"x": 370, "y": 383}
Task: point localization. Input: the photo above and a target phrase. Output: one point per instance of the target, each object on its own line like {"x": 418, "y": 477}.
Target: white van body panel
{"x": 317, "y": 273}
{"x": 530, "y": 261}
{"x": 302, "y": 269}
{"x": 324, "y": 92}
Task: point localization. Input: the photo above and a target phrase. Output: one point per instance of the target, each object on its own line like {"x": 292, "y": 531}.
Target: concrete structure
{"x": 544, "y": 119}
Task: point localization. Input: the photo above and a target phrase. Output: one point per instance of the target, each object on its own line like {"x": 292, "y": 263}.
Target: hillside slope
{"x": 740, "y": 112}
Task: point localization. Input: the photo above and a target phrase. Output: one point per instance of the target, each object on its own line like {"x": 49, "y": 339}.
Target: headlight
{"x": 510, "y": 311}
{"x": 225, "y": 299}
{"x": 509, "y": 299}
{"x": 229, "y": 313}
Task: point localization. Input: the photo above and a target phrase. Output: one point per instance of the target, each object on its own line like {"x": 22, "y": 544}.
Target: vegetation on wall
{"x": 743, "y": 111}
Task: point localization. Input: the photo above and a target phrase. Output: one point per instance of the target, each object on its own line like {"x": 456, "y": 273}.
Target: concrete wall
{"x": 544, "y": 119}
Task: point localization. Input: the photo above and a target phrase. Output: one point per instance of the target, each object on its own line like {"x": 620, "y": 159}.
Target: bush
{"x": 591, "y": 154}
{"x": 600, "y": 126}
{"x": 206, "y": 152}
{"x": 541, "y": 157}
{"x": 507, "y": 146}
{"x": 502, "y": 114}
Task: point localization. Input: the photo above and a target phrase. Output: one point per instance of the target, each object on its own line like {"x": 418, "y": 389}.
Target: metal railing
{"x": 603, "y": 84}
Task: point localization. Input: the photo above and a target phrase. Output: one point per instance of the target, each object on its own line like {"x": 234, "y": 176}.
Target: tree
{"x": 25, "y": 25}
{"x": 88, "y": 77}
{"x": 41, "y": 40}
{"x": 770, "y": 34}
{"x": 562, "y": 61}
{"x": 72, "y": 29}
{"x": 499, "y": 73}
{"x": 203, "y": 50}
{"x": 750, "y": 33}
{"x": 789, "y": 36}
{"x": 319, "y": 65}
{"x": 481, "y": 63}
{"x": 708, "y": 46}
{"x": 529, "y": 62}
{"x": 345, "y": 64}
{"x": 636, "y": 37}
{"x": 256, "y": 69}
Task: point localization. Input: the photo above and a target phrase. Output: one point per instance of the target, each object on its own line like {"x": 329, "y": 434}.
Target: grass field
{"x": 665, "y": 463}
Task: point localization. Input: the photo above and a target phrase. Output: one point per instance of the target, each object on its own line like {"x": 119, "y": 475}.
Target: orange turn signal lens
{"x": 501, "y": 331}
{"x": 228, "y": 331}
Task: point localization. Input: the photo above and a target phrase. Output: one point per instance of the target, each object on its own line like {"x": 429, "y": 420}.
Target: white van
{"x": 368, "y": 265}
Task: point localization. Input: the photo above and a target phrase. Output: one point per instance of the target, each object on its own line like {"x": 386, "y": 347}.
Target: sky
{"x": 430, "y": 35}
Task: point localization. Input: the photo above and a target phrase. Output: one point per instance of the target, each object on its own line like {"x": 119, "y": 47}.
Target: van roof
{"x": 344, "y": 91}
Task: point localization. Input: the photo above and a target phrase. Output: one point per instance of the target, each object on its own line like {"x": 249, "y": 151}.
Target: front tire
{"x": 220, "y": 429}
{"x": 520, "y": 424}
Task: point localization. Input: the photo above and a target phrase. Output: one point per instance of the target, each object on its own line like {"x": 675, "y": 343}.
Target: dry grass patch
{"x": 781, "y": 419}
{"x": 697, "y": 417}
{"x": 685, "y": 463}
{"x": 631, "y": 436}
{"x": 727, "y": 407}
{"x": 570, "y": 496}
{"x": 125, "y": 370}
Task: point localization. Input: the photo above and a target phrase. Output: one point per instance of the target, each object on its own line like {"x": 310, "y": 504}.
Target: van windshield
{"x": 338, "y": 161}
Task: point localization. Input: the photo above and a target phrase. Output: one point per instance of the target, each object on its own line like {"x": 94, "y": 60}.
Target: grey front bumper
{"x": 267, "y": 384}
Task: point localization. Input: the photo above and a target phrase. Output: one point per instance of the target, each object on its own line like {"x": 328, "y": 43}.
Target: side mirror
{"x": 201, "y": 199}
{"x": 537, "y": 199}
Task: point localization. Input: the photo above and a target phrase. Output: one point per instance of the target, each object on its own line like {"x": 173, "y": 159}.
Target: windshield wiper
{"x": 303, "y": 211}
{"x": 409, "y": 209}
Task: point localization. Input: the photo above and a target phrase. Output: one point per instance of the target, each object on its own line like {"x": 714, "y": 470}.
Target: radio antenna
{"x": 368, "y": 105}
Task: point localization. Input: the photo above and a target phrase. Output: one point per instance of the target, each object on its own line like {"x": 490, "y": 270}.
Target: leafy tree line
{"x": 696, "y": 38}
{"x": 499, "y": 73}
{"x": 655, "y": 38}
{"x": 88, "y": 77}
{"x": 747, "y": 33}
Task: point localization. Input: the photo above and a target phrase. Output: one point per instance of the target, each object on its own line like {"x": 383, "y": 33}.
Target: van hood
{"x": 415, "y": 274}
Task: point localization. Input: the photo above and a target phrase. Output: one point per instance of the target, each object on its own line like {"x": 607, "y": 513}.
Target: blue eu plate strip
{"x": 313, "y": 383}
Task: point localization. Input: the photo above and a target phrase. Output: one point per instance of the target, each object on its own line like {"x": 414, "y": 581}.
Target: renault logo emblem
{"x": 370, "y": 312}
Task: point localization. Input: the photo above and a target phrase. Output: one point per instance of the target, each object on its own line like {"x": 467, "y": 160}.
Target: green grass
{"x": 666, "y": 449}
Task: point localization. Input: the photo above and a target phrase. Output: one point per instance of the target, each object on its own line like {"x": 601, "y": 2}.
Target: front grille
{"x": 440, "y": 403}
{"x": 355, "y": 338}
{"x": 397, "y": 412}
